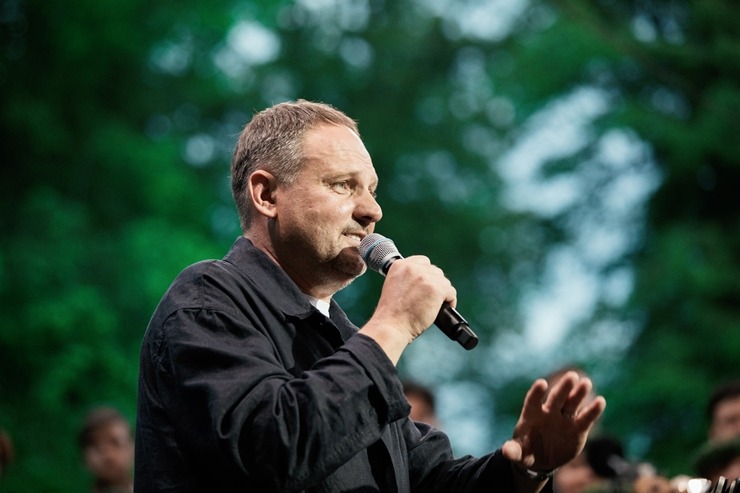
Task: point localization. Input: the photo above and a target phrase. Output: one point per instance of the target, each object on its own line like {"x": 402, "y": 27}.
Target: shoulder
{"x": 202, "y": 298}
{"x": 202, "y": 285}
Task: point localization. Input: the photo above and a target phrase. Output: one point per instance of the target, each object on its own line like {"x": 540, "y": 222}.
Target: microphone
{"x": 379, "y": 253}
{"x": 605, "y": 455}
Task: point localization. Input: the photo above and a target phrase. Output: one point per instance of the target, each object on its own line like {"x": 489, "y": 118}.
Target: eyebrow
{"x": 348, "y": 175}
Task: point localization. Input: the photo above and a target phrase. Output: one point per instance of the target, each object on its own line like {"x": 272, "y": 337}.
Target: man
{"x": 720, "y": 455}
{"x": 6, "y": 451}
{"x": 422, "y": 402}
{"x": 723, "y": 411}
{"x": 575, "y": 476}
{"x": 107, "y": 447}
{"x": 719, "y": 459}
{"x": 253, "y": 379}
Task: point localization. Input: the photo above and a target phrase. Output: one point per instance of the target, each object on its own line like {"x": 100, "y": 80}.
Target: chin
{"x": 350, "y": 263}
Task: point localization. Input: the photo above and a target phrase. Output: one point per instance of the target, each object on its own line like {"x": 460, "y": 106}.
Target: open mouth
{"x": 356, "y": 235}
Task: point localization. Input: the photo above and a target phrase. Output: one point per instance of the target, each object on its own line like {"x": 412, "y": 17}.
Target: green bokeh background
{"x": 117, "y": 121}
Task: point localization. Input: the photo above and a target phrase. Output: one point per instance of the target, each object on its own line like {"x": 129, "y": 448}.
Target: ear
{"x": 262, "y": 186}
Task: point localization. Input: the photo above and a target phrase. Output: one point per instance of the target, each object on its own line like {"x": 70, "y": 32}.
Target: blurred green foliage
{"x": 681, "y": 93}
{"x": 117, "y": 121}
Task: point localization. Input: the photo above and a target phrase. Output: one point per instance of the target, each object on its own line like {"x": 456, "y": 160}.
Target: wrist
{"x": 391, "y": 341}
{"x": 532, "y": 474}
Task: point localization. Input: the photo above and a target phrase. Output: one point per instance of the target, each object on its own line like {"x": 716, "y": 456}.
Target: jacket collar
{"x": 270, "y": 278}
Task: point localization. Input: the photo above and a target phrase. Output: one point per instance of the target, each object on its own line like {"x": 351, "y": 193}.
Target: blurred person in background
{"x": 718, "y": 456}
{"x": 7, "y": 453}
{"x": 617, "y": 474}
{"x": 107, "y": 445}
{"x": 719, "y": 459}
{"x": 723, "y": 412}
{"x": 575, "y": 476}
{"x": 422, "y": 402}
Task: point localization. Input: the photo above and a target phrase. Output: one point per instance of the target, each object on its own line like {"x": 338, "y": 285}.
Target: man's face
{"x": 729, "y": 471}
{"x": 421, "y": 410}
{"x": 575, "y": 476}
{"x": 726, "y": 420}
{"x": 110, "y": 456}
{"x": 322, "y": 216}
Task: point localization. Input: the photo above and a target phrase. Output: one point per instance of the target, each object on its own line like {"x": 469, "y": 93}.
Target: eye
{"x": 340, "y": 186}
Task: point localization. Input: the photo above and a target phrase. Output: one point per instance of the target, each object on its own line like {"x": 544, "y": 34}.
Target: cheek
{"x": 309, "y": 221}
{"x": 733, "y": 471}
{"x": 93, "y": 459}
{"x": 326, "y": 214}
{"x": 343, "y": 209}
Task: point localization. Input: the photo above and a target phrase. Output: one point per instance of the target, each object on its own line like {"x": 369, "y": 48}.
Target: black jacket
{"x": 245, "y": 386}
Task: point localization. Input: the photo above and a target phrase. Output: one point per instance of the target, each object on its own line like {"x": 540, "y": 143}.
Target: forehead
{"x": 337, "y": 148}
{"x": 731, "y": 404}
{"x": 111, "y": 428}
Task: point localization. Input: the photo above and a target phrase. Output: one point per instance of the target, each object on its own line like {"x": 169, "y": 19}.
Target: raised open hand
{"x": 554, "y": 423}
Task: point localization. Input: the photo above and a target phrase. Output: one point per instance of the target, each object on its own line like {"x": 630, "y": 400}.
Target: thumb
{"x": 512, "y": 450}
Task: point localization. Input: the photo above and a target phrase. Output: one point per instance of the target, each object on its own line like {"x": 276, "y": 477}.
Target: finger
{"x": 590, "y": 413}
{"x": 559, "y": 392}
{"x": 451, "y": 297}
{"x": 535, "y": 396}
{"x": 576, "y": 397}
{"x": 418, "y": 259}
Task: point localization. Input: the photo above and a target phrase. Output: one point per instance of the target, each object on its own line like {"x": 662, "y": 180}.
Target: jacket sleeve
{"x": 433, "y": 468}
{"x": 240, "y": 410}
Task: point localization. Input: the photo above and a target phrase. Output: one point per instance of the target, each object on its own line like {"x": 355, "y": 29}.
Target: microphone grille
{"x": 377, "y": 250}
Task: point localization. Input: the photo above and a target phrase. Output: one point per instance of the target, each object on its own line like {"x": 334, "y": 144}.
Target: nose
{"x": 367, "y": 210}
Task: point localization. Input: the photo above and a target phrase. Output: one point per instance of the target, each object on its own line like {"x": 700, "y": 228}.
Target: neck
{"x": 123, "y": 486}
{"x": 319, "y": 289}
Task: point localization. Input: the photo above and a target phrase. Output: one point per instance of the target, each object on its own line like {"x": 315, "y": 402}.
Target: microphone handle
{"x": 448, "y": 319}
{"x": 455, "y": 327}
